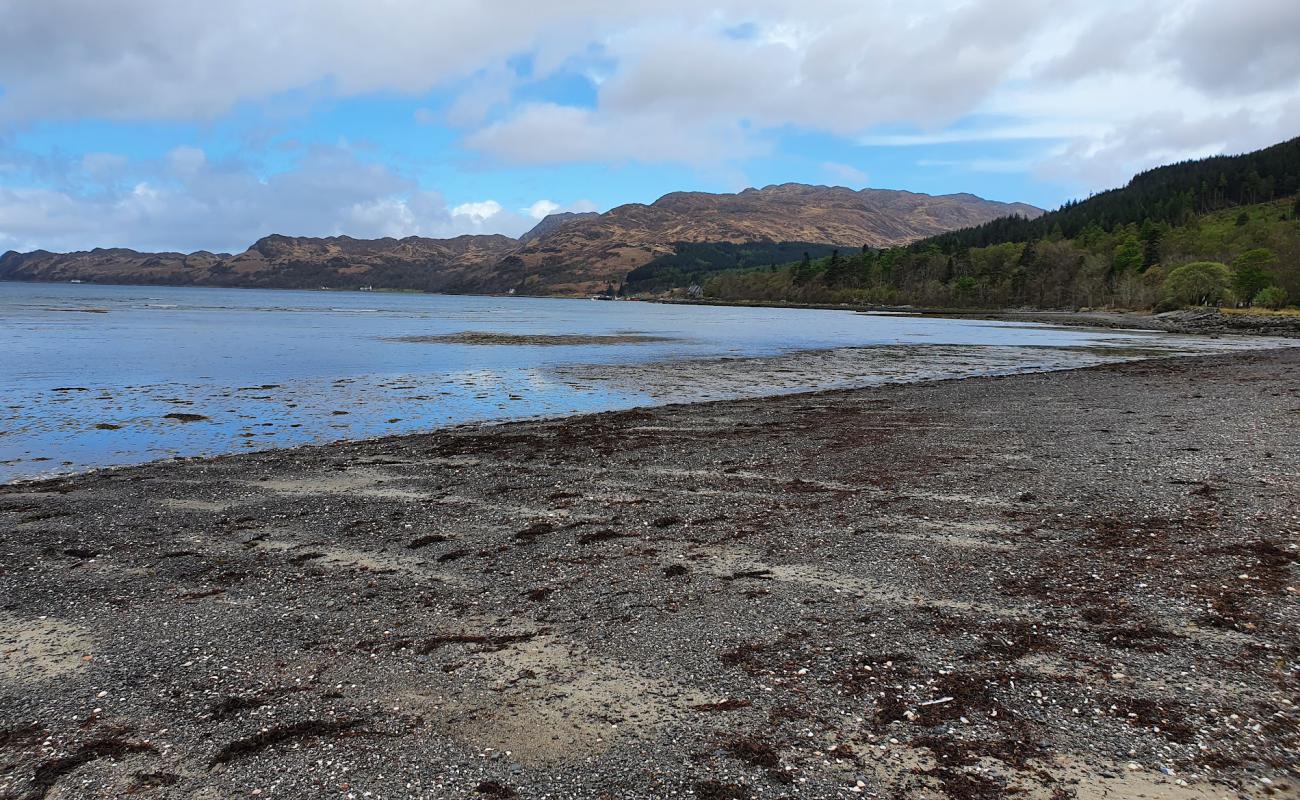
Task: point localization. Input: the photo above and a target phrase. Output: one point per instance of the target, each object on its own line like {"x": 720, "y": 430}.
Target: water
{"x": 89, "y": 373}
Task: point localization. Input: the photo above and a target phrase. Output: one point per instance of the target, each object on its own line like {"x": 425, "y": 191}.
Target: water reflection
{"x": 102, "y": 375}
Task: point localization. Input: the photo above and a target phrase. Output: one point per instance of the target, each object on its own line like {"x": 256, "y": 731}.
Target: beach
{"x": 1079, "y": 583}
{"x": 100, "y": 376}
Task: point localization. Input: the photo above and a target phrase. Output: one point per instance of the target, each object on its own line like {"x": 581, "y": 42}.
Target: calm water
{"x": 89, "y": 373}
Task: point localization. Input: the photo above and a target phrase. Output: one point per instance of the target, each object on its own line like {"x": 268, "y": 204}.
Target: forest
{"x": 1244, "y": 256}
{"x": 694, "y": 263}
{"x": 1218, "y": 231}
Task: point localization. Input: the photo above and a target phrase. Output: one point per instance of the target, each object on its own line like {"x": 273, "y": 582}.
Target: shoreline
{"x": 728, "y": 374}
{"x": 952, "y": 588}
{"x": 1196, "y": 321}
{"x": 1187, "y": 321}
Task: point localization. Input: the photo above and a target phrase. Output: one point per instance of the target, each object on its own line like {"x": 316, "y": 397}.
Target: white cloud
{"x": 1026, "y": 130}
{"x": 547, "y": 133}
{"x": 161, "y": 59}
{"x": 190, "y": 202}
{"x": 478, "y": 212}
{"x": 1162, "y": 137}
{"x": 1103, "y": 87}
{"x": 541, "y": 209}
{"x": 1082, "y": 76}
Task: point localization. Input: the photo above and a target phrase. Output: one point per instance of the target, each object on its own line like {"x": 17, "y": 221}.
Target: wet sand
{"x": 1068, "y": 584}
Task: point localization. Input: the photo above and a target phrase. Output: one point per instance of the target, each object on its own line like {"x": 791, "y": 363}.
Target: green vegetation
{"x": 1272, "y": 298}
{"x": 1200, "y": 283}
{"x": 694, "y": 263}
{"x": 1132, "y": 266}
{"x": 1223, "y": 230}
{"x": 1168, "y": 195}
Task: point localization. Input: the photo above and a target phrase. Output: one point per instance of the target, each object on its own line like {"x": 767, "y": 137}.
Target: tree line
{"x": 1168, "y": 195}
{"x": 1242, "y": 256}
{"x": 1216, "y": 230}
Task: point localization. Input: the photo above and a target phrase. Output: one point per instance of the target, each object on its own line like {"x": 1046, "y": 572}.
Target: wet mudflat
{"x": 1069, "y": 584}
{"x": 157, "y": 372}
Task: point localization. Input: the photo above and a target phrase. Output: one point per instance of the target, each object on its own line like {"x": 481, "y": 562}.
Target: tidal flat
{"x": 164, "y": 372}
{"x": 1079, "y": 583}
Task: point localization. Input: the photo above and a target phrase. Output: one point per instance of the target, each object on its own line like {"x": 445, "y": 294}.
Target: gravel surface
{"x": 1198, "y": 321}
{"x": 1072, "y": 584}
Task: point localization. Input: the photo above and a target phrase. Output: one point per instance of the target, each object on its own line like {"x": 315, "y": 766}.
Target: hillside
{"x": 1168, "y": 195}
{"x": 282, "y": 262}
{"x": 1233, "y": 253}
{"x": 1216, "y": 231}
{"x": 552, "y": 221}
{"x": 564, "y": 254}
{"x": 588, "y": 253}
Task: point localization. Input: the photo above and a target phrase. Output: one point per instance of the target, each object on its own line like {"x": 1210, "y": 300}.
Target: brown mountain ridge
{"x": 564, "y": 254}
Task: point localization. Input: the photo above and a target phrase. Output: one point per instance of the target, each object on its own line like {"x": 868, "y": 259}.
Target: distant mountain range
{"x": 564, "y": 254}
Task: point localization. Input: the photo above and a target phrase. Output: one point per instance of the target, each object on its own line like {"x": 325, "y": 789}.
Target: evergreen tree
{"x": 1128, "y": 255}
{"x": 836, "y": 269}
{"x": 1027, "y": 256}
{"x": 1250, "y": 273}
{"x": 1166, "y": 194}
{"x": 804, "y": 272}
{"x": 1152, "y": 236}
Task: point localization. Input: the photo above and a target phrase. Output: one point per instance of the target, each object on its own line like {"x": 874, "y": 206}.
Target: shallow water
{"x": 90, "y": 373}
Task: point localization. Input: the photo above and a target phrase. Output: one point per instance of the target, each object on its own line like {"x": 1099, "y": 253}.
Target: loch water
{"x": 95, "y": 375}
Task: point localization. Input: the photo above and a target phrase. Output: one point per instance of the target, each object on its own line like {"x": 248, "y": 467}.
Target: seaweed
{"x": 753, "y": 751}
{"x": 424, "y": 541}
{"x": 264, "y": 739}
{"x": 48, "y": 773}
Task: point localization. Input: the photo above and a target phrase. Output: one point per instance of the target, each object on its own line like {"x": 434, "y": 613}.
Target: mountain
{"x": 552, "y": 221}
{"x": 1169, "y": 195}
{"x": 564, "y": 254}
{"x": 1230, "y": 256}
{"x": 591, "y": 252}
{"x": 279, "y": 262}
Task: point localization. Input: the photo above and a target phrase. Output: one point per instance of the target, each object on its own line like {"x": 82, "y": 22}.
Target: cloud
{"x": 486, "y": 91}
{"x": 1110, "y": 42}
{"x": 186, "y": 160}
{"x": 1245, "y": 46}
{"x": 846, "y": 173}
{"x": 1022, "y": 130}
{"x": 1075, "y": 92}
{"x": 839, "y": 66}
{"x": 158, "y": 59}
{"x": 478, "y": 212}
{"x": 548, "y": 133}
{"x": 541, "y": 209}
{"x": 188, "y": 201}
{"x": 1167, "y": 136}
{"x": 691, "y": 91}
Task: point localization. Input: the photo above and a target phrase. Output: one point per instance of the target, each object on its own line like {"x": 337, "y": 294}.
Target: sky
{"x": 161, "y": 125}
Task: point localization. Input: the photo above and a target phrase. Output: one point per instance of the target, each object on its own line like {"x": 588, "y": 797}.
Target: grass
{"x": 1262, "y": 312}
